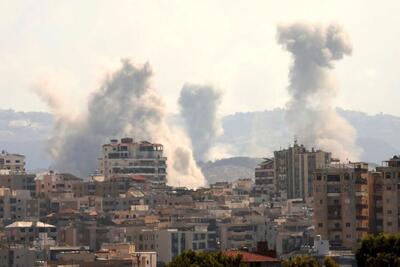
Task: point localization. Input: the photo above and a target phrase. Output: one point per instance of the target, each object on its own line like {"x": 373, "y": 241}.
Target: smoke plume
{"x": 310, "y": 114}
{"x": 199, "y": 106}
{"x": 125, "y": 105}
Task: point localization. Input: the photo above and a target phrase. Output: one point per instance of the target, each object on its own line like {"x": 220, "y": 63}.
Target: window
{"x": 388, "y": 188}
{"x": 389, "y": 212}
{"x": 333, "y": 178}
{"x": 389, "y": 223}
{"x": 320, "y": 225}
{"x": 347, "y": 224}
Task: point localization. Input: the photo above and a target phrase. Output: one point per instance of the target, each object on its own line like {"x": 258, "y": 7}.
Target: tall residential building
{"x": 14, "y": 163}
{"x": 375, "y": 193}
{"x": 265, "y": 179}
{"x": 294, "y": 169}
{"x": 127, "y": 157}
{"x": 341, "y": 212}
{"x": 390, "y": 182}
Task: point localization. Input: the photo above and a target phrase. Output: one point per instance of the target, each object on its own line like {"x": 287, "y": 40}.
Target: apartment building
{"x": 294, "y": 169}
{"x": 12, "y": 163}
{"x": 172, "y": 242}
{"x": 53, "y": 184}
{"x": 128, "y": 157}
{"x": 28, "y": 232}
{"x": 341, "y": 213}
{"x": 18, "y": 205}
{"x": 19, "y": 255}
{"x": 265, "y": 184}
{"x": 375, "y": 198}
{"x": 242, "y": 234}
{"x": 19, "y": 181}
{"x": 390, "y": 193}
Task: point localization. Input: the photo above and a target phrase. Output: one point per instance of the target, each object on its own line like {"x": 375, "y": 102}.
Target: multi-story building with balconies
{"x": 294, "y": 169}
{"x": 133, "y": 158}
{"x": 265, "y": 185}
{"x": 341, "y": 212}
{"x": 390, "y": 195}
{"x": 13, "y": 163}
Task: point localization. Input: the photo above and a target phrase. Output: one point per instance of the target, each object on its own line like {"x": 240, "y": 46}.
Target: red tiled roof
{"x": 138, "y": 178}
{"x": 248, "y": 257}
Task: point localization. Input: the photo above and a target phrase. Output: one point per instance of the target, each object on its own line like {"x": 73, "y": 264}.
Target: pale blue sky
{"x": 230, "y": 44}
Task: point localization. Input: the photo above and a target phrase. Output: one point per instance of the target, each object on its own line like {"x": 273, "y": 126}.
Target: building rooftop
{"x": 248, "y": 257}
{"x": 28, "y": 224}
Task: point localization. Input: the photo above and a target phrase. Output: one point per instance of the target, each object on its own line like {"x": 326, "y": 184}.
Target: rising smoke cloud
{"x": 198, "y": 107}
{"x": 310, "y": 113}
{"x": 125, "y": 105}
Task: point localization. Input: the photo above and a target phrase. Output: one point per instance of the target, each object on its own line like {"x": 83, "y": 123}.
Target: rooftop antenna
{"x": 295, "y": 140}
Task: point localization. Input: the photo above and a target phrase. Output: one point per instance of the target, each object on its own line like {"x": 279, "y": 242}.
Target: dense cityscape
{"x": 302, "y": 201}
{"x": 199, "y": 133}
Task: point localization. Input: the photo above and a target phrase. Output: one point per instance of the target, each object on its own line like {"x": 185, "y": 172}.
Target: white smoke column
{"x": 199, "y": 106}
{"x": 125, "y": 105}
{"x": 310, "y": 114}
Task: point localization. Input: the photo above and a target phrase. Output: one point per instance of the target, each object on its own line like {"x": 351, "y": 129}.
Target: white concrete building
{"x": 172, "y": 242}
{"x": 137, "y": 158}
{"x": 13, "y": 163}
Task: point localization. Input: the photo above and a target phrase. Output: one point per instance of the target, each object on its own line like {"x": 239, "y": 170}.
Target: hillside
{"x": 251, "y": 134}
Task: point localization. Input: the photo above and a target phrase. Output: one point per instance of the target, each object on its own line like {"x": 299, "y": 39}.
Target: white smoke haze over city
{"x": 125, "y": 105}
{"x": 310, "y": 113}
{"x": 199, "y": 109}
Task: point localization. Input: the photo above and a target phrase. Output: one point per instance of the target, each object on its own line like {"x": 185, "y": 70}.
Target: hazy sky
{"x": 230, "y": 44}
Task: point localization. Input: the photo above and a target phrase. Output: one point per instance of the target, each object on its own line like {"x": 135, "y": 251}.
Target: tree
{"x": 329, "y": 262}
{"x": 380, "y": 250}
{"x": 301, "y": 261}
{"x": 205, "y": 259}
{"x": 308, "y": 261}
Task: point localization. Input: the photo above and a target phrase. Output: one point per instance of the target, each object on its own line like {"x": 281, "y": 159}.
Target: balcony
{"x": 361, "y": 206}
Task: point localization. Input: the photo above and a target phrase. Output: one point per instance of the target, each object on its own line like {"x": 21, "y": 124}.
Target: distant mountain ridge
{"x": 250, "y": 134}
{"x": 229, "y": 169}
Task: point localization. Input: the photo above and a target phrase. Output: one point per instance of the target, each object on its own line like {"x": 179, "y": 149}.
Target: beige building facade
{"x": 341, "y": 212}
